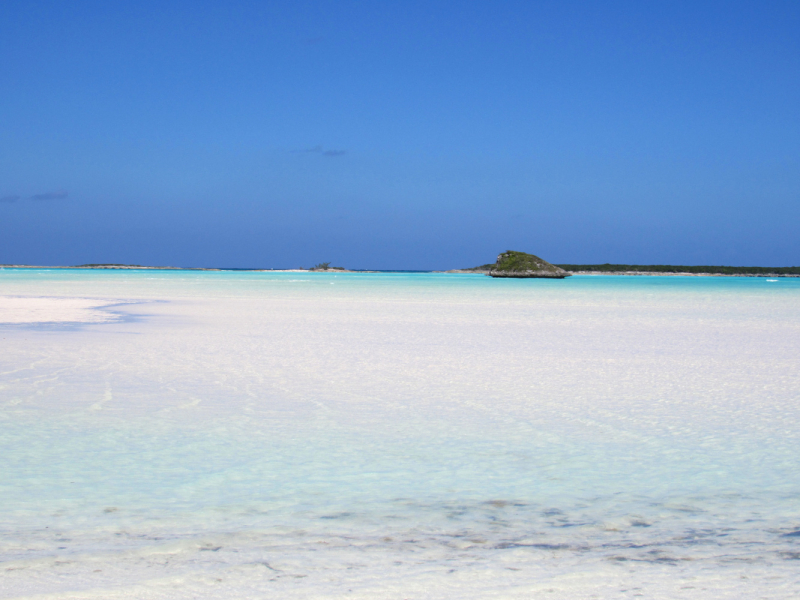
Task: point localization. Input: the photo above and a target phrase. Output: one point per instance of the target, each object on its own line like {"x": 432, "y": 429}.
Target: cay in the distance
{"x": 522, "y": 265}
{"x": 326, "y": 266}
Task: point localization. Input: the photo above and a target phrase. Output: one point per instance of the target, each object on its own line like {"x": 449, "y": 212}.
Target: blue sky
{"x": 418, "y": 135}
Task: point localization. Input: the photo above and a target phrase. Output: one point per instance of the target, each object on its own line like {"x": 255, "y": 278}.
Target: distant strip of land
{"x": 111, "y": 266}
{"x": 604, "y": 269}
{"x": 609, "y": 269}
{"x": 700, "y": 271}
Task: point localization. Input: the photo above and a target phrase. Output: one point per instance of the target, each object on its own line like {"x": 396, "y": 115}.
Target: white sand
{"x": 20, "y": 310}
{"x": 274, "y": 436}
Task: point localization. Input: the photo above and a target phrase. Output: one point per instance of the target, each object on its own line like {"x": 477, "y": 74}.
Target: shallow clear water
{"x": 226, "y": 434}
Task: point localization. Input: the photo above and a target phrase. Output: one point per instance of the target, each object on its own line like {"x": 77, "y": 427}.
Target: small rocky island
{"x": 522, "y": 265}
{"x": 326, "y": 267}
{"x": 519, "y": 265}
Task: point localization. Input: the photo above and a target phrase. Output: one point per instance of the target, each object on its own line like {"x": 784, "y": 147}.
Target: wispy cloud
{"x": 11, "y": 198}
{"x": 331, "y": 152}
{"x": 313, "y": 150}
{"x": 57, "y": 195}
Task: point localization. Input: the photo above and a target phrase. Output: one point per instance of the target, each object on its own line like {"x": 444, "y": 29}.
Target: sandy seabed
{"x": 228, "y": 435}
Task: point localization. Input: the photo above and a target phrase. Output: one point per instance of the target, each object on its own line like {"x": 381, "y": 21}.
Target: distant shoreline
{"x": 148, "y": 268}
{"x": 632, "y": 273}
{"x": 117, "y": 268}
{"x": 642, "y": 273}
{"x": 682, "y": 274}
{"x": 662, "y": 270}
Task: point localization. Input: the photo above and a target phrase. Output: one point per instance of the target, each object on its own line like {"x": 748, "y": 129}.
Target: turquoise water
{"x": 238, "y": 434}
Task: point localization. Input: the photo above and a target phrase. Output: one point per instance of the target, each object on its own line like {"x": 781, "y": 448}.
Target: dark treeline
{"x": 607, "y": 268}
